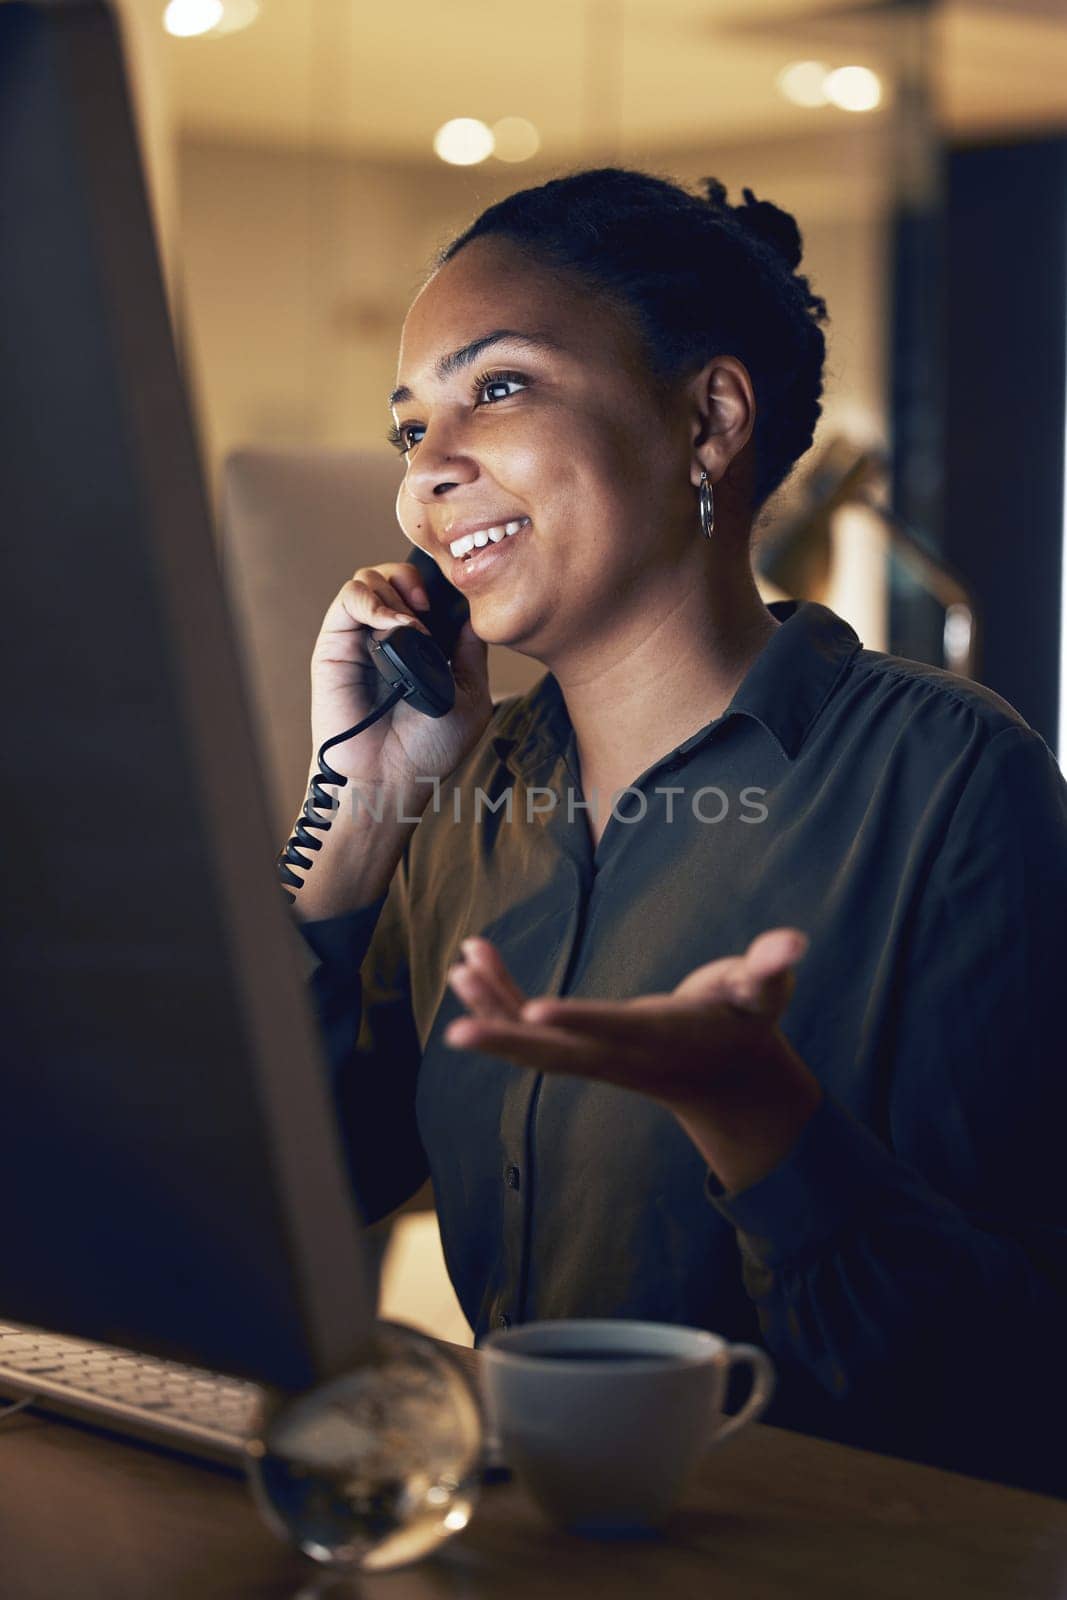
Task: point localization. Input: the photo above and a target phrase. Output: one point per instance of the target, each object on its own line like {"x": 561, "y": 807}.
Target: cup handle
{"x": 763, "y": 1381}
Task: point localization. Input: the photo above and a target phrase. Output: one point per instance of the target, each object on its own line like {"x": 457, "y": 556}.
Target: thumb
{"x": 760, "y": 980}
{"x": 774, "y": 951}
{"x": 765, "y": 979}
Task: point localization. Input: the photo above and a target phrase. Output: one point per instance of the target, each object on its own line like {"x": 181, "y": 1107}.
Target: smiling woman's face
{"x": 573, "y": 435}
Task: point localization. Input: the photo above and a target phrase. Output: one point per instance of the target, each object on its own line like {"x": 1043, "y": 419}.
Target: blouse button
{"x": 503, "y": 1320}
{"x": 511, "y": 1178}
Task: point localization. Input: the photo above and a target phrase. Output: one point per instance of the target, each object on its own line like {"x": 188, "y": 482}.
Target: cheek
{"x": 411, "y": 515}
{"x": 583, "y": 454}
{"x": 615, "y": 452}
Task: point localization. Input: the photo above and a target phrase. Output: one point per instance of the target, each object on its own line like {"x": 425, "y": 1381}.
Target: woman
{"x": 633, "y": 1096}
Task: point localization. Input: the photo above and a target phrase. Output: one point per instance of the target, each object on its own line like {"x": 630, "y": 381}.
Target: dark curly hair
{"x": 700, "y": 278}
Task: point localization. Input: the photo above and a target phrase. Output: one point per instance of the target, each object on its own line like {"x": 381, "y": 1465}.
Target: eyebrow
{"x": 467, "y": 354}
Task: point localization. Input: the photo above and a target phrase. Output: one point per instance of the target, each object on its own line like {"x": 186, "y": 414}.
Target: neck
{"x": 668, "y": 668}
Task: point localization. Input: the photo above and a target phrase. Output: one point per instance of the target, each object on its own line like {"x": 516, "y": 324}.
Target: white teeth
{"x": 476, "y": 541}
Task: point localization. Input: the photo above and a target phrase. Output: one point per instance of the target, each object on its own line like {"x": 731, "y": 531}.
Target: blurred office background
{"x": 306, "y": 157}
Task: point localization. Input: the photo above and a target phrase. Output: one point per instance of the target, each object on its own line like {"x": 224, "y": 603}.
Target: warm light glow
{"x": 1062, "y": 730}
{"x": 237, "y": 14}
{"x": 186, "y": 18}
{"x": 457, "y": 1519}
{"x": 804, "y": 82}
{"x": 854, "y": 88}
{"x": 515, "y": 139}
{"x": 957, "y": 640}
{"x": 463, "y": 142}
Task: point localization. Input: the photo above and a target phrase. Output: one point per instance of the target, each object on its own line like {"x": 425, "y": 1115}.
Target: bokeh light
{"x": 854, "y": 89}
{"x": 237, "y": 14}
{"x": 515, "y": 139}
{"x": 804, "y": 82}
{"x": 463, "y": 142}
{"x": 186, "y": 18}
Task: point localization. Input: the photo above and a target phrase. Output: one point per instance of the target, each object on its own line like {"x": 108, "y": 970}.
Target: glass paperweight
{"x": 375, "y": 1469}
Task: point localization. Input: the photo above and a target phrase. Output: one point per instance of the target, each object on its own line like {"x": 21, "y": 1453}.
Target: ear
{"x": 725, "y": 415}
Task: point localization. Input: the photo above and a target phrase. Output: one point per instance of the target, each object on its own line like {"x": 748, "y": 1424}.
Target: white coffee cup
{"x": 605, "y": 1422}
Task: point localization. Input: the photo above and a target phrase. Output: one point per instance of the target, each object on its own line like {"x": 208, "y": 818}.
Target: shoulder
{"x": 930, "y": 732}
{"x": 997, "y": 775}
{"x": 933, "y": 695}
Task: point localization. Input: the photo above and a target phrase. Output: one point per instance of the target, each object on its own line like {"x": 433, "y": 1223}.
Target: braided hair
{"x": 698, "y": 276}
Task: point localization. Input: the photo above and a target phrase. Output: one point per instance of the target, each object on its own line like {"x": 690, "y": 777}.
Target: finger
{"x": 655, "y": 1028}
{"x": 390, "y": 595}
{"x": 763, "y": 981}
{"x": 483, "y": 955}
{"x": 375, "y": 605}
{"x": 478, "y": 994}
{"x": 764, "y": 997}
{"x": 739, "y": 980}
{"x": 405, "y": 579}
{"x": 774, "y": 951}
{"x": 652, "y": 1022}
{"x": 386, "y": 593}
{"x": 715, "y": 982}
{"x": 551, "y": 1050}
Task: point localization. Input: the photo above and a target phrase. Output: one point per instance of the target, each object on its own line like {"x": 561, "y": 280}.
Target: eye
{"x": 495, "y": 380}
{"x": 397, "y": 436}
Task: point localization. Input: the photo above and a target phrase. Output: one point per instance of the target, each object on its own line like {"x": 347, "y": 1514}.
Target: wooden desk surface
{"x": 774, "y": 1516}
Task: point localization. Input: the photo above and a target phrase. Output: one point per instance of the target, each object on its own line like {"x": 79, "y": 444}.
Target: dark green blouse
{"x": 906, "y": 1264}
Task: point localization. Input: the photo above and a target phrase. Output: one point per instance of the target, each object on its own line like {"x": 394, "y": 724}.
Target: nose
{"x": 437, "y": 463}
{"x": 425, "y": 484}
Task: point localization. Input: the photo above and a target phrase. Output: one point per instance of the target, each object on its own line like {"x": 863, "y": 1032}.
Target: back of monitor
{"x": 171, "y": 1176}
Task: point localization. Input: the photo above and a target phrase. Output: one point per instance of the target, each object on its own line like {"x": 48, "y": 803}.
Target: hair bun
{"x": 760, "y": 218}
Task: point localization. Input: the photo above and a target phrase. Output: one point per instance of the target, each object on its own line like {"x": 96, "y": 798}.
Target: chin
{"x": 494, "y": 625}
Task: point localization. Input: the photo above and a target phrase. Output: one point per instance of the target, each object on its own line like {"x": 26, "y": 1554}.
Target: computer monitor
{"x": 171, "y": 1175}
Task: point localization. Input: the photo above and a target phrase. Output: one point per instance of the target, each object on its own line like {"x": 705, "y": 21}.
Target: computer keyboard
{"x": 185, "y": 1407}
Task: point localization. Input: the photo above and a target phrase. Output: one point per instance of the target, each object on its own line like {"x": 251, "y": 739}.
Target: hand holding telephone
{"x": 417, "y": 665}
{"x": 352, "y": 664}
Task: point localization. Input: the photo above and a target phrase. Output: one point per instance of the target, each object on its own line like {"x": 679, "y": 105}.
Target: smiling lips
{"x": 462, "y": 547}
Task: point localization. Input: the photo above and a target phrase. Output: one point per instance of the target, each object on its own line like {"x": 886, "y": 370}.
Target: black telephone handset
{"x": 419, "y": 666}
{"x": 415, "y": 669}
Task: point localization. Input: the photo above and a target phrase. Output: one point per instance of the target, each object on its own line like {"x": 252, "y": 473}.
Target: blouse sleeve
{"x": 917, "y": 1289}
{"x": 360, "y": 989}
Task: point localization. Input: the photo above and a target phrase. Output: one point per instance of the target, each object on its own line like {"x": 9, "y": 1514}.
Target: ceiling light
{"x": 186, "y": 18}
{"x": 804, "y": 82}
{"x": 515, "y": 139}
{"x": 237, "y": 14}
{"x": 854, "y": 88}
{"x": 463, "y": 142}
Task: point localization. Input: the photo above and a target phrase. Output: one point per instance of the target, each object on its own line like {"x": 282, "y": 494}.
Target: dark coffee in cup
{"x": 583, "y": 1354}
{"x": 604, "y": 1420}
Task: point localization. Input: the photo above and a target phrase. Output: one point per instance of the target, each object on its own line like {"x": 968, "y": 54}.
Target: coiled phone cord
{"x": 318, "y": 798}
